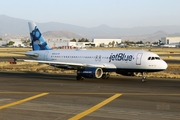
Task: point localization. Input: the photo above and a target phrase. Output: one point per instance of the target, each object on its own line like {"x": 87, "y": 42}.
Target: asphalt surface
{"x": 36, "y": 96}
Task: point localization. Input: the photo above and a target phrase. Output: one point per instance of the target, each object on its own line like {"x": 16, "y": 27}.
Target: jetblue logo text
{"x": 120, "y": 57}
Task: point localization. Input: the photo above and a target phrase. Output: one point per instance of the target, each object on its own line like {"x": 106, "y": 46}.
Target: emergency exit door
{"x": 138, "y": 58}
{"x": 46, "y": 55}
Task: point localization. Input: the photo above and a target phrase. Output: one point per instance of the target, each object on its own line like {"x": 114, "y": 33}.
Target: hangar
{"x": 106, "y": 42}
{"x": 171, "y": 40}
{"x": 66, "y": 44}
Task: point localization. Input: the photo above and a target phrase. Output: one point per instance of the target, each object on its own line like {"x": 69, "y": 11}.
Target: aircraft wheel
{"x": 103, "y": 76}
{"x": 144, "y": 79}
{"x": 107, "y": 76}
{"x": 78, "y": 77}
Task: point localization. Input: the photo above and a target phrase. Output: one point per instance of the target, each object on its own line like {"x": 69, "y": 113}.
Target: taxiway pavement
{"x": 36, "y": 96}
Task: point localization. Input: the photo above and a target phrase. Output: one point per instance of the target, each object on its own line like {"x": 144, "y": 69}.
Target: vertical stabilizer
{"x": 37, "y": 40}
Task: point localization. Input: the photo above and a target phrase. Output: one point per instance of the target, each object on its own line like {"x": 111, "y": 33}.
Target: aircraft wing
{"x": 101, "y": 65}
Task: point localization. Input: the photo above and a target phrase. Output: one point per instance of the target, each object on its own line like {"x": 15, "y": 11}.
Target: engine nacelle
{"x": 90, "y": 72}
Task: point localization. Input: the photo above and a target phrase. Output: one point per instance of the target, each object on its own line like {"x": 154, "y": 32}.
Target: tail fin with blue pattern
{"x": 37, "y": 40}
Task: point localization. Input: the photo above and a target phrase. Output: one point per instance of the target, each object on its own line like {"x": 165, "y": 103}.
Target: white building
{"x": 17, "y": 42}
{"x": 106, "y": 42}
{"x": 3, "y": 42}
{"x": 171, "y": 40}
{"x": 66, "y": 44}
{"x": 57, "y": 43}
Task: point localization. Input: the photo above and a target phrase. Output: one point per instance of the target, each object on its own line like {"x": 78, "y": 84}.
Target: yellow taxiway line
{"x": 92, "y": 109}
{"x": 23, "y": 100}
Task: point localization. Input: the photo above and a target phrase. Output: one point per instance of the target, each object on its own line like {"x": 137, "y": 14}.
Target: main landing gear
{"x": 105, "y": 76}
{"x": 79, "y": 78}
{"x": 143, "y": 77}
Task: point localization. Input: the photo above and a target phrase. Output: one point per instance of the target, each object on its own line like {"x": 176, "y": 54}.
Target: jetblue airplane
{"x": 94, "y": 63}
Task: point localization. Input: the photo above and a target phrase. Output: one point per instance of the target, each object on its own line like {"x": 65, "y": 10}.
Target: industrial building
{"x": 106, "y": 42}
{"x": 60, "y": 43}
{"x": 67, "y": 44}
{"x": 17, "y": 42}
{"x": 3, "y": 43}
{"x": 171, "y": 40}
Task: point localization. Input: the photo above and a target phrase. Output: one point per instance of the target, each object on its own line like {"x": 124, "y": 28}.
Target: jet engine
{"x": 90, "y": 72}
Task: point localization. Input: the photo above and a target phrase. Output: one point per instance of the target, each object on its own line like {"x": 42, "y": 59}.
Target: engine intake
{"x": 90, "y": 72}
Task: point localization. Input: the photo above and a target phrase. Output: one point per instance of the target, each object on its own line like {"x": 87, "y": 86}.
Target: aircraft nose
{"x": 164, "y": 65}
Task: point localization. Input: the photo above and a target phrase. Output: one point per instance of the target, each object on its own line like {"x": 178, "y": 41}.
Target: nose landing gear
{"x": 143, "y": 77}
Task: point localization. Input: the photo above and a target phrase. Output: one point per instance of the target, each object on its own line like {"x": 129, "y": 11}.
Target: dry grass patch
{"x": 6, "y": 49}
{"x": 174, "y": 67}
{"x": 32, "y": 67}
{"x": 6, "y": 52}
{"x": 12, "y": 54}
{"x": 164, "y": 74}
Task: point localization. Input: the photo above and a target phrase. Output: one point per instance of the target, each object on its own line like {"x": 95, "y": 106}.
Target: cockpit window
{"x": 154, "y": 58}
{"x": 157, "y": 58}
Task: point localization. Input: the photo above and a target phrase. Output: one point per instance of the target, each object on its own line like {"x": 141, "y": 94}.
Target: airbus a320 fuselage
{"x": 94, "y": 63}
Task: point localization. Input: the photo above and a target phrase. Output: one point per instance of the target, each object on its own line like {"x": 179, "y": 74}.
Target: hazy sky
{"x": 92, "y": 13}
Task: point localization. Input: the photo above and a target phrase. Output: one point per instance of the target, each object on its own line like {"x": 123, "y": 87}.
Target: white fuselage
{"x": 115, "y": 59}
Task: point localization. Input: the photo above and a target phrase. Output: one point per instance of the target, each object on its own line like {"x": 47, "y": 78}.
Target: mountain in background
{"x": 60, "y": 34}
{"x": 16, "y": 26}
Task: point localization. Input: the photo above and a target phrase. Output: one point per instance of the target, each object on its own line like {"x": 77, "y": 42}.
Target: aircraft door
{"x": 46, "y": 55}
{"x": 138, "y": 58}
{"x": 98, "y": 58}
